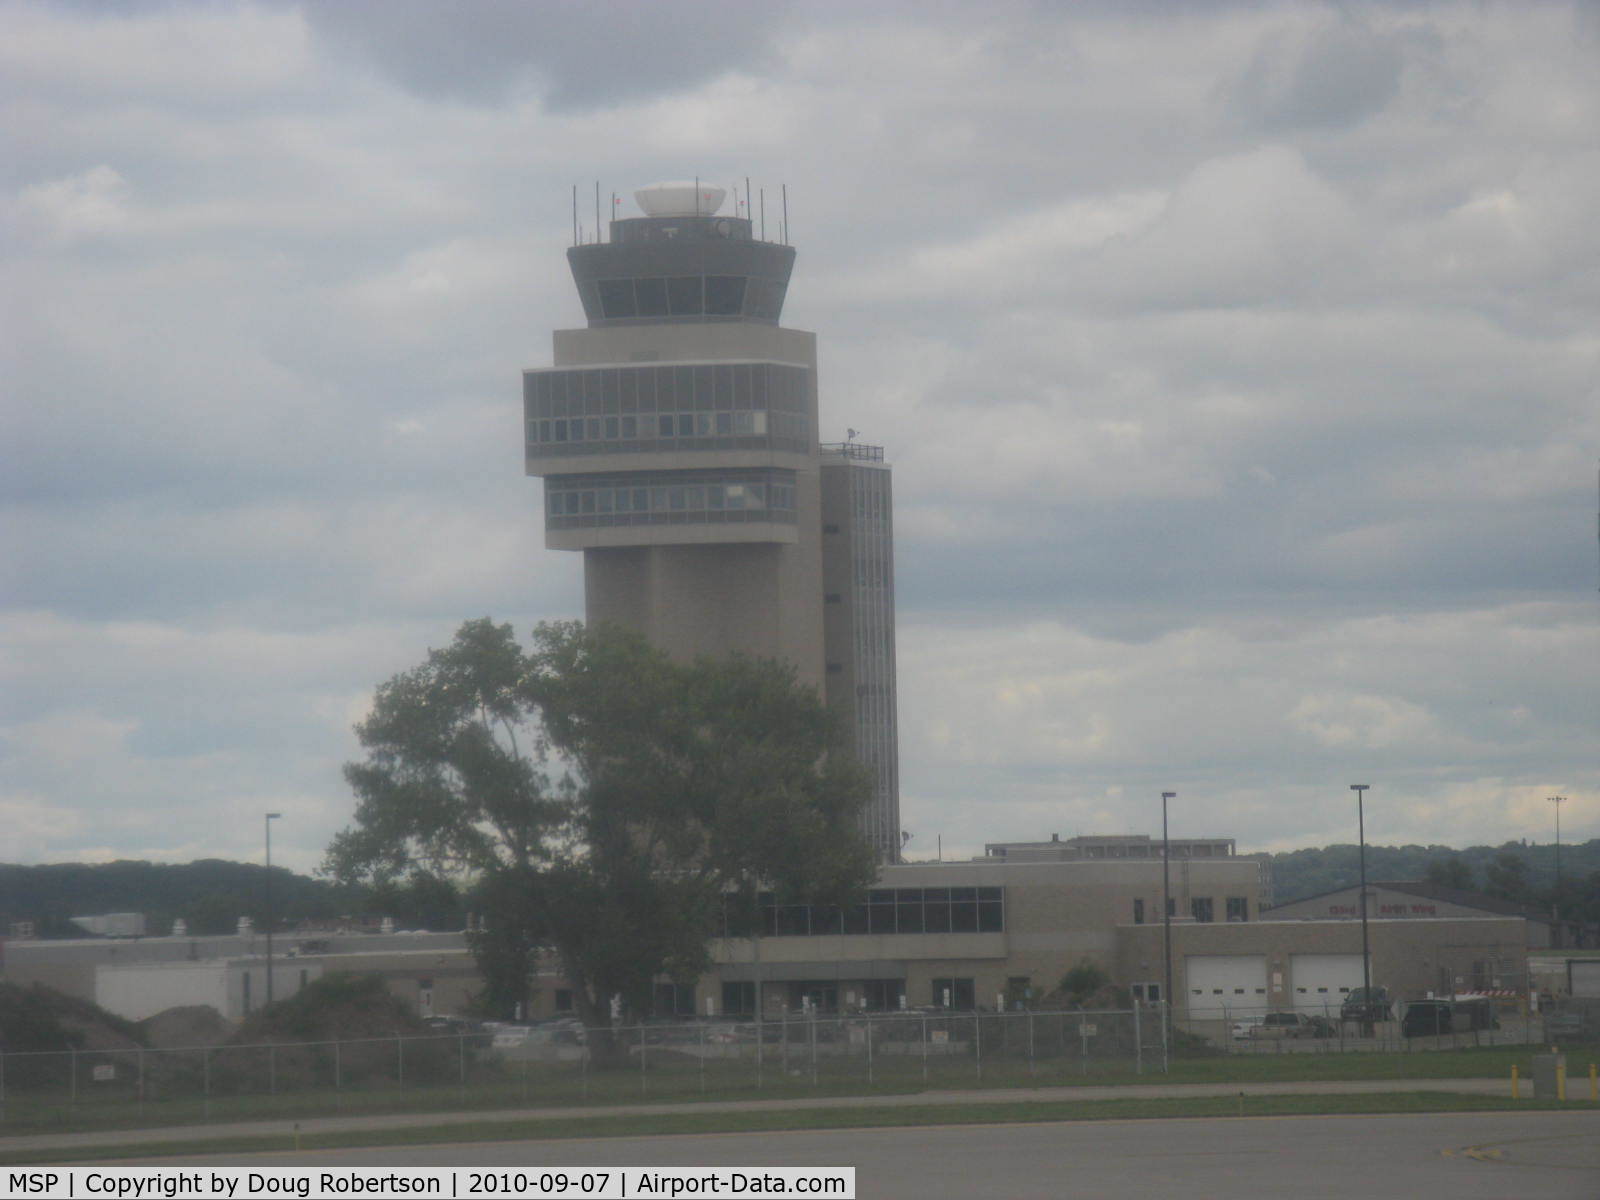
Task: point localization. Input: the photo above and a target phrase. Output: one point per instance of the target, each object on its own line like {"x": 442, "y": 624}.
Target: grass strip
{"x": 38, "y": 1115}
{"x": 780, "y": 1120}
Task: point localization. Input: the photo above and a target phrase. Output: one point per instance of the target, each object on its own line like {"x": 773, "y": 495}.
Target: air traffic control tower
{"x": 677, "y": 438}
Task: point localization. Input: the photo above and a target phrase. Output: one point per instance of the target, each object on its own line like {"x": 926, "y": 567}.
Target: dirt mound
{"x": 186, "y": 1025}
{"x": 341, "y": 1030}
{"x": 40, "y": 1018}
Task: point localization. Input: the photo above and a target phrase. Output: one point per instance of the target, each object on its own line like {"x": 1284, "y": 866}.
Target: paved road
{"x": 433, "y": 1121}
{"x": 1461, "y": 1156}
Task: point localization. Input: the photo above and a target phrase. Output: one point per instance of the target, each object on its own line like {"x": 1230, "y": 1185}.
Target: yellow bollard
{"x": 1514, "y": 1092}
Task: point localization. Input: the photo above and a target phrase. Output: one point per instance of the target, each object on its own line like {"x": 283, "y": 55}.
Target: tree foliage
{"x": 1309, "y": 872}
{"x": 602, "y": 800}
{"x": 209, "y": 894}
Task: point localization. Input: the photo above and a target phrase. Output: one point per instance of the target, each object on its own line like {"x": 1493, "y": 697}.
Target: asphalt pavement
{"x": 285, "y": 1128}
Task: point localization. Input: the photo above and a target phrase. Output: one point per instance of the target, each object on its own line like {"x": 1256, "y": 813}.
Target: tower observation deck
{"x": 676, "y": 434}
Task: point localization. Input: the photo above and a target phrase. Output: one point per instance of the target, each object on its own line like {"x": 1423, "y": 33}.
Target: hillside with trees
{"x": 210, "y": 895}
{"x": 1516, "y": 871}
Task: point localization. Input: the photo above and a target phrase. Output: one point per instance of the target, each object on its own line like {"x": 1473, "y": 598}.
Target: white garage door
{"x": 1584, "y": 977}
{"x": 1320, "y": 982}
{"x": 1225, "y": 985}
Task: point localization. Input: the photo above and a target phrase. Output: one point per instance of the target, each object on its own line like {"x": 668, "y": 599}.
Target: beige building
{"x": 981, "y": 934}
{"x": 677, "y": 437}
{"x": 1419, "y": 900}
{"x": 1223, "y": 971}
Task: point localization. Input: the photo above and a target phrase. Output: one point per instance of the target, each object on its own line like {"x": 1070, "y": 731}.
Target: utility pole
{"x": 1360, "y": 789}
{"x": 270, "y": 818}
{"x": 1555, "y": 897}
{"x": 1166, "y": 912}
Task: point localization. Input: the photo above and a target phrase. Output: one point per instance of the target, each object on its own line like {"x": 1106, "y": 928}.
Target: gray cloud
{"x": 1237, "y": 365}
{"x": 579, "y": 54}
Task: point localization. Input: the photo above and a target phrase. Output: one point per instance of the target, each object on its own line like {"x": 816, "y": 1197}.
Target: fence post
{"x": 205, "y": 1070}
{"x": 1138, "y": 1045}
{"x": 72, "y": 1070}
{"x": 461, "y": 1054}
{"x": 644, "y": 1083}
{"x": 977, "y": 1043}
{"x": 869, "y": 1052}
{"x": 924, "y": 1049}
{"x": 338, "y": 1067}
{"x": 141, "y": 1079}
{"x": 400, "y": 1062}
{"x": 1030, "y": 1043}
{"x": 1167, "y": 1026}
{"x": 272, "y": 1069}
{"x": 813, "y": 1029}
{"x": 702, "y": 1059}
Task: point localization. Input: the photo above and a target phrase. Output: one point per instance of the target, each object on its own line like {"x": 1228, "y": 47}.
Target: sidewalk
{"x": 285, "y": 1128}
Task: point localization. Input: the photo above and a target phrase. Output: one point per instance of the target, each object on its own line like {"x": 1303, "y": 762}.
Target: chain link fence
{"x": 1405, "y": 1025}
{"x": 557, "y": 1064}
{"x": 560, "y": 1063}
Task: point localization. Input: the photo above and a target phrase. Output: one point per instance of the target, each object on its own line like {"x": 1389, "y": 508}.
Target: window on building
{"x": 1138, "y": 911}
{"x": 1019, "y": 991}
{"x": 616, "y": 298}
{"x": 652, "y": 297}
{"x": 1238, "y": 908}
{"x": 685, "y": 295}
{"x": 963, "y": 910}
{"x": 991, "y": 910}
{"x": 955, "y": 993}
{"x": 1200, "y": 909}
{"x": 674, "y": 1000}
{"x": 724, "y": 295}
{"x": 739, "y": 998}
{"x": 1147, "y": 993}
{"x": 882, "y": 995}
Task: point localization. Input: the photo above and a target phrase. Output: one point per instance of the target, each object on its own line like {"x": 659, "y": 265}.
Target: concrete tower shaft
{"x": 676, "y": 434}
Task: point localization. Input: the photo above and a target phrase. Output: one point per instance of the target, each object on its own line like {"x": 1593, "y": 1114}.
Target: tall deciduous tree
{"x": 603, "y": 799}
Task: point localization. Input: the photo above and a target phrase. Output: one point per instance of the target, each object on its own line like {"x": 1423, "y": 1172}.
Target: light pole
{"x": 1166, "y": 911}
{"x": 267, "y": 825}
{"x": 1360, "y": 789}
{"x": 1555, "y": 898}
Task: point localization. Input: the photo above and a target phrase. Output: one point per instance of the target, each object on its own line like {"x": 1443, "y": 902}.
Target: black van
{"x": 1425, "y": 1018}
{"x": 1429, "y": 1017}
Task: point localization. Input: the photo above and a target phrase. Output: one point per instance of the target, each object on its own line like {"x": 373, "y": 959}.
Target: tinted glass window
{"x": 652, "y": 295}
{"x": 724, "y": 295}
{"x": 684, "y": 295}
{"x": 616, "y": 298}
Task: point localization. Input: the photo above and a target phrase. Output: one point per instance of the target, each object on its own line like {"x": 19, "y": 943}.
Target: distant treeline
{"x": 1515, "y": 871}
{"x": 210, "y": 895}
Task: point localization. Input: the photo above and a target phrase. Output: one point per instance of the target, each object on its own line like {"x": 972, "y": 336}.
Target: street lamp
{"x": 1555, "y": 898}
{"x": 1166, "y": 910}
{"x": 1360, "y": 789}
{"x": 267, "y": 825}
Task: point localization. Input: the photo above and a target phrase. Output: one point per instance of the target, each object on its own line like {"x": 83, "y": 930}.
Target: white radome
{"x": 680, "y": 199}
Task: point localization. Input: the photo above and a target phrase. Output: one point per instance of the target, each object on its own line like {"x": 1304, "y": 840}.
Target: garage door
{"x": 1320, "y": 982}
{"x": 1583, "y": 977}
{"x": 1221, "y": 985}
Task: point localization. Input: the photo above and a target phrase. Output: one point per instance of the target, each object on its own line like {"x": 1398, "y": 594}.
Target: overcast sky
{"x": 1237, "y": 362}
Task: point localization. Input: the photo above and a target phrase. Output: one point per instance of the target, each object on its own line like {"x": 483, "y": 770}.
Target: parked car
{"x": 1564, "y": 1026}
{"x": 1240, "y": 1030}
{"x": 1291, "y": 1025}
{"x": 1366, "y": 1004}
